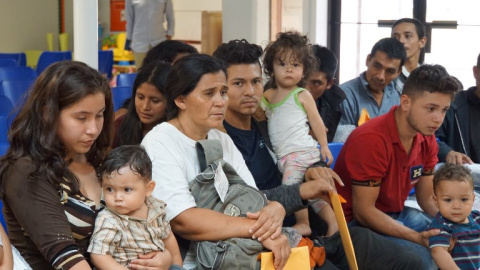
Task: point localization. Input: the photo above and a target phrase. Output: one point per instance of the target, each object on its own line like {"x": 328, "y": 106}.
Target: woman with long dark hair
{"x": 48, "y": 180}
{"x": 148, "y": 108}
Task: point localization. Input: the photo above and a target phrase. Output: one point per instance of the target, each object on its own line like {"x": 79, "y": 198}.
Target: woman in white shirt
{"x": 196, "y": 104}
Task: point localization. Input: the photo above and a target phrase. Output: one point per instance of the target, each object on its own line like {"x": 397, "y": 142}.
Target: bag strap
{"x": 208, "y": 151}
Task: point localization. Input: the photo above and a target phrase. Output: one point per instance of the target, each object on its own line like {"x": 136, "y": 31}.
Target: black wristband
{"x": 320, "y": 163}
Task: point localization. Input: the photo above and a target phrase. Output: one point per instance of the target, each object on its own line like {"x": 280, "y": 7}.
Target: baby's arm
{"x": 316, "y": 123}
{"x": 171, "y": 246}
{"x": 105, "y": 262}
{"x": 106, "y": 235}
{"x": 442, "y": 258}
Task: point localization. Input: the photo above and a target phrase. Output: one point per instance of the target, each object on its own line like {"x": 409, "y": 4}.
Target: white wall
{"x": 25, "y": 23}
{"x": 188, "y": 17}
{"x": 246, "y": 19}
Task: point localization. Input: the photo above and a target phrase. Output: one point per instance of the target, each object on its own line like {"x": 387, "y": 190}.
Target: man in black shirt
{"x": 251, "y": 138}
{"x": 460, "y": 130}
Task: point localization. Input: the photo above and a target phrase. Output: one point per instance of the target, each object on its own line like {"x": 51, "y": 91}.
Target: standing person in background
{"x": 327, "y": 95}
{"x": 145, "y": 28}
{"x": 411, "y": 33}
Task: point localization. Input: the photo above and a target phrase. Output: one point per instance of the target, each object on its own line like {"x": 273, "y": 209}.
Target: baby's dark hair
{"x": 133, "y": 156}
{"x": 452, "y": 172}
{"x": 299, "y": 45}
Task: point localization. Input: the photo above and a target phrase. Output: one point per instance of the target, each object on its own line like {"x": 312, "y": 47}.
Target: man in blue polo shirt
{"x": 373, "y": 89}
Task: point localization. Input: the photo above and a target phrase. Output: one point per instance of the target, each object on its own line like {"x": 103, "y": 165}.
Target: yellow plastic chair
{"x": 32, "y": 57}
{"x": 119, "y": 53}
{"x": 50, "y": 42}
{"x": 63, "y": 40}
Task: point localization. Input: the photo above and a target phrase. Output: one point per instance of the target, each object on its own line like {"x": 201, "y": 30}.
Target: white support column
{"x": 248, "y": 19}
{"x": 85, "y": 25}
{"x": 315, "y": 21}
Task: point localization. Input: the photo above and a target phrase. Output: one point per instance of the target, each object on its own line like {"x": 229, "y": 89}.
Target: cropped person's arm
{"x": 443, "y": 259}
{"x": 37, "y": 208}
{"x": 457, "y": 158}
{"x": 6, "y": 256}
{"x": 169, "y": 14}
{"x": 130, "y": 18}
{"x": 288, "y": 196}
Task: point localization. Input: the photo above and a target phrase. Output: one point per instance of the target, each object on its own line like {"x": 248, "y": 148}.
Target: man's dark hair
{"x": 452, "y": 172}
{"x": 327, "y": 61}
{"x": 429, "y": 78}
{"x": 392, "y": 47}
{"x": 478, "y": 61}
{"x": 167, "y": 51}
{"x": 419, "y": 28}
{"x": 237, "y": 52}
{"x": 133, "y": 156}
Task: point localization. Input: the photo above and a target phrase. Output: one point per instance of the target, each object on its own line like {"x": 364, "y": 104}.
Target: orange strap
{"x": 317, "y": 254}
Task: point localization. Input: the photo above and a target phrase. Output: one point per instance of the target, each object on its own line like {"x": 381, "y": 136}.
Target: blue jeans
{"x": 418, "y": 221}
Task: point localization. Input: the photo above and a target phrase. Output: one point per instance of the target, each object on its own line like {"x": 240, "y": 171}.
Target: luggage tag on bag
{"x": 221, "y": 183}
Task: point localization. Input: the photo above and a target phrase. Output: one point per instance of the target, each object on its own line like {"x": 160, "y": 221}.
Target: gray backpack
{"x": 233, "y": 253}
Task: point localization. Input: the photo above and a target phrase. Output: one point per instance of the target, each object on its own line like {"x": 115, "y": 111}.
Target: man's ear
{"x": 367, "y": 60}
{"x": 405, "y": 103}
{"x": 330, "y": 83}
{"x": 476, "y": 71}
{"x": 423, "y": 42}
{"x": 150, "y": 187}
{"x": 180, "y": 102}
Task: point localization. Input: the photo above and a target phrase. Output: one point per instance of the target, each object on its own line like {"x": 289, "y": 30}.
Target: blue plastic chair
{"x": 17, "y": 73}
{"x": 3, "y": 150}
{"x": 335, "y": 149}
{"x": 8, "y": 63}
{"x": 6, "y": 106}
{"x": 3, "y": 129}
{"x": 119, "y": 95}
{"x": 2, "y": 219}
{"x": 48, "y": 58}
{"x": 126, "y": 79}
{"x": 15, "y": 90}
{"x": 20, "y": 58}
{"x": 105, "y": 63}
